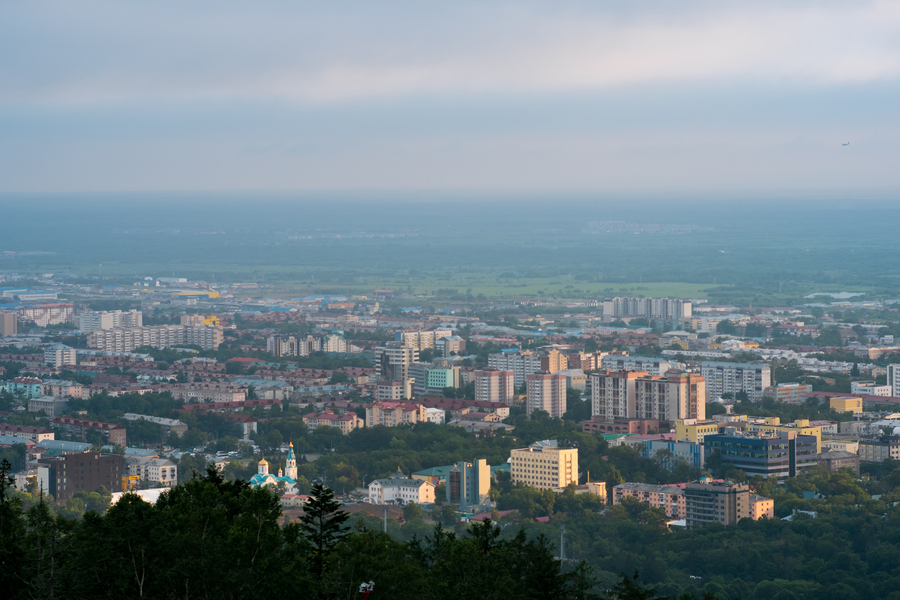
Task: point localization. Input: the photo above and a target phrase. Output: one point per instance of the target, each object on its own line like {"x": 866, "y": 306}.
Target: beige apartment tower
{"x": 544, "y": 465}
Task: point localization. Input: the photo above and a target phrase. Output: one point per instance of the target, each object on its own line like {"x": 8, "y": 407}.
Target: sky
{"x": 715, "y": 98}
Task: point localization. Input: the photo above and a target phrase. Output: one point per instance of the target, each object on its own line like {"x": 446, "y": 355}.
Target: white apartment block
{"x": 893, "y": 379}
{"x": 494, "y": 386}
{"x": 731, "y": 378}
{"x": 400, "y": 489}
{"x": 669, "y": 309}
{"x": 869, "y": 388}
{"x": 46, "y": 314}
{"x": 654, "y": 365}
{"x": 394, "y": 390}
{"x": 118, "y": 319}
{"x": 613, "y": 394}
{"x": 334, "y": 343}
{"x": 289, "y": 345}
{"x": 547, "y": 392}
{"x": 59, "y": 355}
{"x": 158, "y": 336}
{"x": 670, "y": 398}
{"x": 520, "y": 363}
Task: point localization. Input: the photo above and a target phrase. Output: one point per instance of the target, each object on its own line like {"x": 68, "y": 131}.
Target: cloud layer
{"x": 613, "y": 96}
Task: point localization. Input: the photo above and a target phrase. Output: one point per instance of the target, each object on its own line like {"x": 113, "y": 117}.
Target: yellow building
{"x": 846, "y": 404}
{"x": 694, "y": 430}
{"x": 761, "y": 507}
{"x": 544, "y": 465}
{"x": 801, "y": 426}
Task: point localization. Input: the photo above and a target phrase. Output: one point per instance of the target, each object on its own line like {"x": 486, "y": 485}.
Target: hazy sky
{"x": 607, "y": 97}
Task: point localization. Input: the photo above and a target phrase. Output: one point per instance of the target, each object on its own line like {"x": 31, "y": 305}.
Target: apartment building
{"x": 877, "y": 449}
{"x": 24, "y": 387}
{"x": 8, "y": 324}
{"x": 157, "y": 336}
{"x": 429, "y": 379}
{"x": 544, "y": 465}
{"x": 695, "y": 430}
{"x": 59, "y": 355}
{"x": 690, "y": 452}
{"x": 450, "y": 345}
{"x": 208, "y": 392}
{"x": 731, "y": 378}
{"x": 546, "y": 392}
{"x": 289, "y": 345}
{"x": 65, "y": 475}
{"x": 169, "y": 426}
{"x": 893, "y": 379}
{"x": 790, "y": 393}
{"x": 668, "y": 309}
{"x": 521, "y": 363}
{"x": 346, "y": 422}
{"x": 777, "y": 454}
{"x": 681, "y": 396}
{"x": 652, "y": 365}
{"x": 92, "y": 321}
{"x": 113, "y": 432}
{"x": 394, "y": 390}
{"x": 492, "y": 385}
{"x": 30, "y": 433}
{"x": 869, "y": 388}
{"x": 800, "y": 426}
{"x": 392, "y": 362}
{"x": 161, "y": 472}
{"x": 836, "y": 460}
{"x": 62, "y": 387}
{"x": 709, "y": 501}
{"x": 52, "y": 406}
{"x": 46, "y": 314}
{"x": 670, "y": 498}
{"x": 392, "y": 414}
{"x": 421, "y": 340}
{"x": 334, "y": 343}
{"x": 554, "y": 361}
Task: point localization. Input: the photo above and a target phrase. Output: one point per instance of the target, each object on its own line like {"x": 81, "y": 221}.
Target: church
{"x": 288, "y": 477}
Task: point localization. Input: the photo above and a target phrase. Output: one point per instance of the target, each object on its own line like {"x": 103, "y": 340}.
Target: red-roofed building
{"x": 26, "y": 432}
{"x": 391, "y": 414}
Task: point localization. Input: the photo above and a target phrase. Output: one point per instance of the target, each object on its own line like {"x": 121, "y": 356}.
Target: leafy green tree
{"x": 412, "y": 511}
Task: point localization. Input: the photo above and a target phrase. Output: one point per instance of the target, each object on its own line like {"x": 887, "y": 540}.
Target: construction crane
{"x": 129, "y": 482}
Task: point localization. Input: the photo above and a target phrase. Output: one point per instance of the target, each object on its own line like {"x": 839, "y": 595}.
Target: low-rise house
{"x": 400, "y": 489}
{"x": 156, "y": 470}
{"x": 26, "y": 432}
{"x": 667, "y": 497}
{"x": 52, "y": 406}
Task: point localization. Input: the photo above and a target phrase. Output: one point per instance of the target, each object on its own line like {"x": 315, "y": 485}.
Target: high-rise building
{"x": 893, "y": 379}
{"x": 639, "y": 395}
{"x": 654, "y": 365}
{"x": 708, "y": 501}
{"x": 8, "y": 324}
{"x": 554, "y": 361}
{"x": 65, "y": 475}
{"x": 468, "y": 484}
{"x": 544, "y": 465}
{"x": 59, "y": 355}
{"x": 118, "y": 319}
{"x": 421, "y": 340}
{"x": 289, "y": 345}
{"x": 521, "y": 363}
{"x": 668, "y": 309}
{"x": 731, "y": 378}
{"x": 546, "y": 392}
{"x": 46, "y": 314}
{"x": 393, "y": 362}
{"x": 492, "y": 385}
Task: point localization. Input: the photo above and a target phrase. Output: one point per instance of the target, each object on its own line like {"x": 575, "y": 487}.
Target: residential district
{"x": 112, "y": 389}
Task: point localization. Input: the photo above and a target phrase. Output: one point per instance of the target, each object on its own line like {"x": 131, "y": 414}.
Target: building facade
{"x": 544, "y": 465}
{"x": 667, "y": 309}
{"x": 65, "y": 475}
{"x": 92, "y": 321}
{"x": 46, "y": 314}
{"x": 8, "y": 324}
{"x": 780, "y": 454}
{"x": 791, "y": 393}
{"x": 877, "y": 449}
{"x": 169, "y": 426}
{"x": 521, "y": 363}
{"x": 708, "y": 501}
{"x": 468, "y": 484}
{"x": 392, "y": 414}
{"x": 400, "y": 489}
{"x": 30, "y": 433}
{"x": 670, "y": 498}
{"x": 546, "y": 392}
{"x": 346, "y": 422}
{"x": 731, "y": 378}
{"x": 893, "y": 379}
{"x": 492, "y": 385}
{"x": 157, "y": 336}
{"x": 392, "y": 362}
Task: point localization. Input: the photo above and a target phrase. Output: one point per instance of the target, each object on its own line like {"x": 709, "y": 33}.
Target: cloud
{"x": 100, "y": 53}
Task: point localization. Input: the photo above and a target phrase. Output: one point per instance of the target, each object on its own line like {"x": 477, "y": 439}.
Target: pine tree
{"x": 322, "y": 525}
